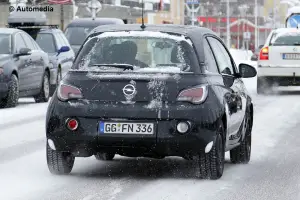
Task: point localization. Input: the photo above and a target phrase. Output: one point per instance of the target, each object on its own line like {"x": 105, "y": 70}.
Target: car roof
{"x": 9, "y": 30}
{"x": 287, "y": 30}
{"x": 94, "y": 22}
{"x": 169, "y": 28}
{"x": 50, "y": 30}
{"x": 27, "y": 17}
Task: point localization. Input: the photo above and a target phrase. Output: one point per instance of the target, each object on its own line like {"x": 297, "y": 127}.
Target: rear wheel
{"x": 11, "y": 100}
{"x": 59, "y": 162}
{"x": 105, "y": 156}
{"x": 212, "y": 164}
{"x": 44, "y": 94}
{"x": 242, "y": 153}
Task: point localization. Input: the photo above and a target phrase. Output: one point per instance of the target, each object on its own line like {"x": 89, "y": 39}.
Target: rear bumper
{"x": 280, "y": 80}
{"x": 278, "y": 71}
{"x": 166, "y": 141}
{"x": 163, "y": 143}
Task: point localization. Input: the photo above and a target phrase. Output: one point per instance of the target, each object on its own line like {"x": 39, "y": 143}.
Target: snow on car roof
{"x": 286, "y": 31}
{"x": 145, "y": 34}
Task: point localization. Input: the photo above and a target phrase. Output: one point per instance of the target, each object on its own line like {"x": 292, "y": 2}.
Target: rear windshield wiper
{"x": 120, "y": 66}
{"x": 296, "y": 44}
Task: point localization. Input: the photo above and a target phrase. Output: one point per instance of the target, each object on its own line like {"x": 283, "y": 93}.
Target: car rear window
{"x": 145, "y": 50}
{"x": 285, "y": 39}
{"x": 46, "y": 42}
{"x": 77, "y": 35}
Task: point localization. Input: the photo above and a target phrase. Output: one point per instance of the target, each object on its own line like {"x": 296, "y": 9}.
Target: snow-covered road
{"x": 273, "y": 173}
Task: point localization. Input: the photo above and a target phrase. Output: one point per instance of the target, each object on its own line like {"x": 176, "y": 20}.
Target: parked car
{"x": 77, "y": 31}
{"x": 54, "y": 42}
{"x": 156, "y": 91}
{"x": 24, "y": 68}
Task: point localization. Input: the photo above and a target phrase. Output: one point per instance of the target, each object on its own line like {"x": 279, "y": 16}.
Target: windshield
{"x": 5, "y": 47}
{"x": 77, "y": 35}
{"x": 146, "y": 51}
{"x": 285, "y": 39}
{"x": 46, "y": 42}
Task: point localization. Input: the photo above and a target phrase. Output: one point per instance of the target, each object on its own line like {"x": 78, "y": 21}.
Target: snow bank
{"x": 239, "y": 54}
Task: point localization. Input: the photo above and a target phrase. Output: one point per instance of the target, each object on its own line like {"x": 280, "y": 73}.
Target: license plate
{"x": 126, "y": 128}
{"x": 291, "y": 56}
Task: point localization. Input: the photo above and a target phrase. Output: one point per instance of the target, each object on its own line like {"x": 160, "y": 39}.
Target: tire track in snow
{"x": 21, "y": 150}
{"x": 21, "y": 122}
{"x": 268, "y": 120}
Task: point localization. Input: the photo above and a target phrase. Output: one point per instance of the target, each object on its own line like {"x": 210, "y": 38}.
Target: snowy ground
{"x": 273, "y": 173}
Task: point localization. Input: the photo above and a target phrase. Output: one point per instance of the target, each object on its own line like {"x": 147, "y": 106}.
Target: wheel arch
{"x": 251, "y": 114}
{"x": 224, "y": 121}
{"x": 15, "y": 73}
{"x": 48, "y": 71}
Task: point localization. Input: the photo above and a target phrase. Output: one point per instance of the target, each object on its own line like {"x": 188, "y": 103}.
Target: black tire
{"x": 212, "y": 164}
{"x": 59, "y": 162}
{"x": 105, "y": 156}
{"x": 44, "y": 94}
{"x": 11, "y": 100}
{"x": 242, "y": 153}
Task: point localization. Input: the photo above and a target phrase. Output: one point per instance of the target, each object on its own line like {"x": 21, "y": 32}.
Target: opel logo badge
{"x": 129, "y": 90}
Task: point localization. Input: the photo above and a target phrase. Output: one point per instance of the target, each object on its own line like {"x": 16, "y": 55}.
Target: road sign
{"x": 293, "y": 21}
{"x": 192, "y": 2}
{"x": 247, "y": 35}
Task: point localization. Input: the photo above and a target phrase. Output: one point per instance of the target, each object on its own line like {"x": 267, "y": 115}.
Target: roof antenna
{"x": 143, "y": 22}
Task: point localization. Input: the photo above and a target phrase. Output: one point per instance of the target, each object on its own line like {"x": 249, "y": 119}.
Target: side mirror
{"x": 254, "y": 57}
{"x": 63, "y": 49}
{"x": 23, "y": 52}
{"x": 247, "y": 71}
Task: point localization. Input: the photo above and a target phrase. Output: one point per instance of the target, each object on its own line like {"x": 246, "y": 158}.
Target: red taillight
{"x": 72, "y": 124}
{"x": 67, "y": 92}
{"x": 196, "y": 95}
{"x": 264, "y": 53}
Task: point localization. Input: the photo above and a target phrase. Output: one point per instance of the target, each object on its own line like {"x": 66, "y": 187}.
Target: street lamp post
{"x": 228, "y": 25}
{"x": 219, "y": 24}
{"x": 274, "y": 13}
{"x": 238, "y": 35}
{"x": 242, "y": 10}
{"x": 256, "y": 24}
